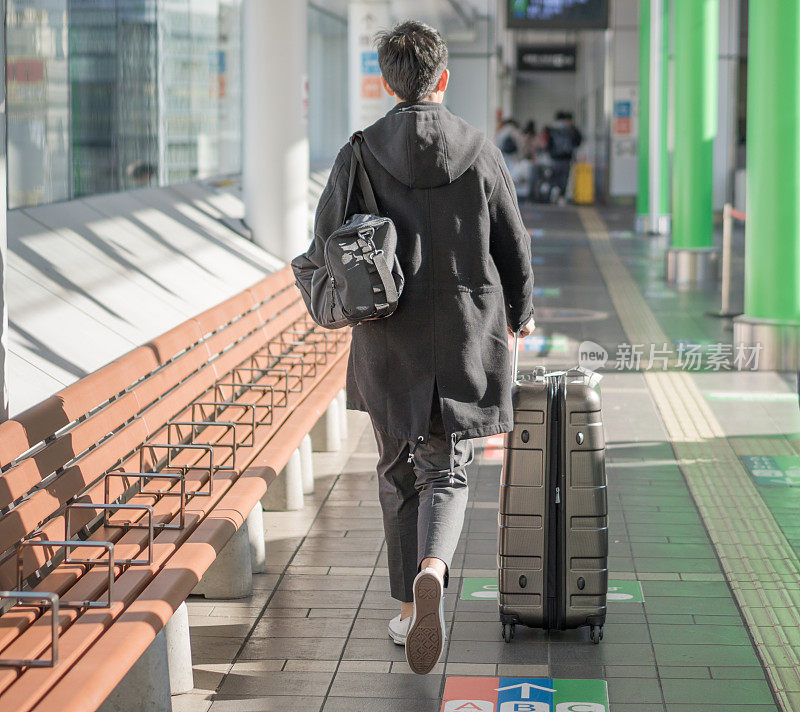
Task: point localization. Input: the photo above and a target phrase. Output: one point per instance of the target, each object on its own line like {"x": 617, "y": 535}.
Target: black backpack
{"x": 509, "y": 145}
{"x": 562, "y": 143}
{"x": 361, "y": 278}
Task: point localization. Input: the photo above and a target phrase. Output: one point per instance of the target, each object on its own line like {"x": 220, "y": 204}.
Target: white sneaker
{"x": 398, "y": 629}
{"x": 425, "y": 638}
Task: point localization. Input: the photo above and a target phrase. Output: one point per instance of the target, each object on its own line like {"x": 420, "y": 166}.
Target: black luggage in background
{"x": 541, "y": 183}
{"x": 553, "y": 519}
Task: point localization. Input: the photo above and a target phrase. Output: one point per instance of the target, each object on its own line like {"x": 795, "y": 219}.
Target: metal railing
{"x": 729, "y": 214}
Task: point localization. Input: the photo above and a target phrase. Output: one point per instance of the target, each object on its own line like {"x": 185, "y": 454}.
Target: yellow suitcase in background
{"x": 583, "y": 184}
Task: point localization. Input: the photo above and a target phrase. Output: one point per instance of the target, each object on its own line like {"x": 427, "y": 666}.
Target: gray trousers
{"x": 423, "y": 502}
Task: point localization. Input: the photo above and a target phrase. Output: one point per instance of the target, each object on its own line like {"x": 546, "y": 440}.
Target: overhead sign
{"x": 524, "y": 694}
{"x": 558, "y": 14}
{"x": 546, "y": 58}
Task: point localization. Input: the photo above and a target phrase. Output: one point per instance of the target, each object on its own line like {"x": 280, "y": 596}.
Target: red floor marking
{"x": 470, "y": 694}
{"x": 494, "y": 447}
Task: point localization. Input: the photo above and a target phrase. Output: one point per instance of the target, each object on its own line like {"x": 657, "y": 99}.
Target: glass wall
{"x": 107, "y": 95}
{"x": 38, "y": 102}
{"x": 327, "y": 72}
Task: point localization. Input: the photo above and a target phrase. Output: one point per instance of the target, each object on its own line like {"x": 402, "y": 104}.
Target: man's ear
{"x": 444, "y": 80}
{"x": 386, "y": 86}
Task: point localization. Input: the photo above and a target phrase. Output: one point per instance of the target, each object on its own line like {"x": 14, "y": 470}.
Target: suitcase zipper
{"x": 561, "y": 528}
{"x": 551, "y": 615}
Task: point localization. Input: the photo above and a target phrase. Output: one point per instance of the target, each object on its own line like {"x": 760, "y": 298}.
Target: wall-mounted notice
{"x": 368, "y": 100}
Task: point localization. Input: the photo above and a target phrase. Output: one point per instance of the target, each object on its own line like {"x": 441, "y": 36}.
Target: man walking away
{"x": 436, "y": 373}
{"x": 563, "y": 138}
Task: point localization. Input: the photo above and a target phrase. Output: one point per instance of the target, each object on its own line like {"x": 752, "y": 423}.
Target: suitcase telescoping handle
{"x": 515, "y": 362}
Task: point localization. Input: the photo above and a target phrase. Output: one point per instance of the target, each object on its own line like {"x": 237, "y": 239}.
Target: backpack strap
{"x": 357, "y": 169}
{"x": 387, "y": 281}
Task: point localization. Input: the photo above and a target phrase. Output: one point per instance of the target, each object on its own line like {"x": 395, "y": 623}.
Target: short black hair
{"x": 412, "y": 57}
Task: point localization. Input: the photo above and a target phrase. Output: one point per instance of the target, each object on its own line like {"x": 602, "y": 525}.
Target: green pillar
{"x": 772, "y": 253}
{"x": 643, "y": 206}
{"x": 696, "y": 43}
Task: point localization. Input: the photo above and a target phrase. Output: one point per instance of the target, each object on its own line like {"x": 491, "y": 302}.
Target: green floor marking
{"x": 484, "y": 588}
{"x": 479, "y": 588}
{"x": 568, "y": 692}
{"x": 547, "y": 291}
{"x": 751, "y": 396}
{"x": 546, "y": 344}
{"x": 659, "y": 294}
{"x": 629, "y": 591}
{"x": 774, "y": 470}
{"x": 704, "y": 344}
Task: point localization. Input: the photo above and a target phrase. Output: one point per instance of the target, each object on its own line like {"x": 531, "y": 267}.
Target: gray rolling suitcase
{"x": 553, "y": 519}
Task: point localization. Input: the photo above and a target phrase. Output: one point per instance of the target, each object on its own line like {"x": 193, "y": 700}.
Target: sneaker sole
{"x": 425, "y": 638}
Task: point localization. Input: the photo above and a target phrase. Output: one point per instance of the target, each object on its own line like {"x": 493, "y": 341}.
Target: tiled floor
{"x": 313, "y": 635}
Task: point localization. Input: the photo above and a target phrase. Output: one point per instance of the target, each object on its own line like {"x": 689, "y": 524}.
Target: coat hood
{"x": 423, "y": 145}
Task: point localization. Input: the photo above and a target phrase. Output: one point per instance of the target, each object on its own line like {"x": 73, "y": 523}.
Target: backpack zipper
{"x": 420, "y": 440}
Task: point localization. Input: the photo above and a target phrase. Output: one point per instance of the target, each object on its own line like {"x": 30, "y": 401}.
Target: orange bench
{"x": 118, "y": 493}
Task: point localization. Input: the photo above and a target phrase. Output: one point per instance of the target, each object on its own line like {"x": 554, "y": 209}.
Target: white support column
{"x": 231, "y": 574}
{"x": 341, "y": 399}
{"x": 728, "y": 93}
{"x": 275, "y": 125}
{"x": 326, "y": 435}
{"x": 658, "y": 222}
{"x": 307, "y": 465}
{"x": 285, "y": 492}
{"x": 3, "y": 235}
{"x": 146, "y": 685}
{"x": 179, "y": 651}
{"x": 257, "y": 539}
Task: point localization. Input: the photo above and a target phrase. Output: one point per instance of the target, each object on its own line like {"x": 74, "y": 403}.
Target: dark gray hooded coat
{"x": 466, "y": 256}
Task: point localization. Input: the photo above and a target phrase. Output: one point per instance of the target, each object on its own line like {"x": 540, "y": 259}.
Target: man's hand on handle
{"x": 526, "y": 330}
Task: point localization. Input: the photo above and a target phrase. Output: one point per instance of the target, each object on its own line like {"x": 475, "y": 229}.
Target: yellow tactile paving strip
{"x": 761, "y": 566}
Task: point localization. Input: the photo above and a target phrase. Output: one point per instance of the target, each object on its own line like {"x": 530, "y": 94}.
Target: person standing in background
{"x": 563, "y": 139}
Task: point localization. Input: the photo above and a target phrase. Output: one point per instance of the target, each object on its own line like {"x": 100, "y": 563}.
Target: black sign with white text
{"x": 531, "y": 58}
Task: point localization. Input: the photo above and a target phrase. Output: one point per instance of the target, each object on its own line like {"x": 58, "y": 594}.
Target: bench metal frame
{"x": 73, "y": 544}
{"x": 44, "y": 599}
{"x": 170, "y": 447}
{"x": 157, "y": 494}
{"x": 106, "y": 509}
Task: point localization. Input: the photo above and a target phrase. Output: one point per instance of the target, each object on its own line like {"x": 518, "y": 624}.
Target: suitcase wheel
{"x": 597, "y": 633}
{"x": 508, "y": 632}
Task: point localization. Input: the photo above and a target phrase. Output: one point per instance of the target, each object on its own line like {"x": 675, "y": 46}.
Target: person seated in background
{"x": 533, "y": 142}
{"x": 563, "y": 138}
